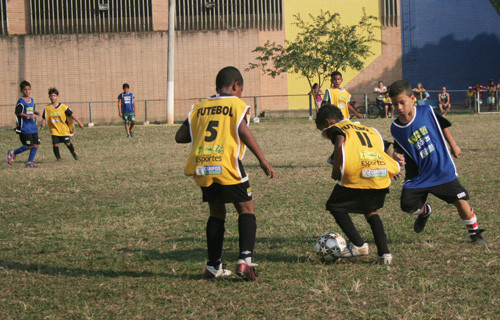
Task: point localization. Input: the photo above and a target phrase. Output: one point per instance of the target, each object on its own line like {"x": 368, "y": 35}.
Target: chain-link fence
{"x": 155, "y": 111}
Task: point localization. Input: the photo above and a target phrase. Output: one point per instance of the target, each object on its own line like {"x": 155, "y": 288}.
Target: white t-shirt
{"x": 381, "y": 92}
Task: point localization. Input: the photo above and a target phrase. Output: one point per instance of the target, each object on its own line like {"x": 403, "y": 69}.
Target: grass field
{"x": 120, "y": 234}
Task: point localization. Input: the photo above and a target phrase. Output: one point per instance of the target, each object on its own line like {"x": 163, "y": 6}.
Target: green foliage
{"x": 323, "y": 45}
{"x": 496, "y": 5}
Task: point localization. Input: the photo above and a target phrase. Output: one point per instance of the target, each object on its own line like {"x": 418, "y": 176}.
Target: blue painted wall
{"x": 452, "y": 43}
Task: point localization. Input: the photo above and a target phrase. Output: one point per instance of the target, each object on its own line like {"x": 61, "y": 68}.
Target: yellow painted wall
{"x": 350, "y": 13}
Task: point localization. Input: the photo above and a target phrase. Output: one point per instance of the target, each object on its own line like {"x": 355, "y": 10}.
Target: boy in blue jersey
{"x": 420, "y": 138}
{"x": 126, "y": 109}
{"x": 26, "y": 126}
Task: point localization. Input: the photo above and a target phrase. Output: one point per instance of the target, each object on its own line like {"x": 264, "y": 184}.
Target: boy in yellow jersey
{"x": 217, "y": 127}
{"x": 363, "y": 170}
{"x": 339, "y": 97}
{"x": 59, "y": 118}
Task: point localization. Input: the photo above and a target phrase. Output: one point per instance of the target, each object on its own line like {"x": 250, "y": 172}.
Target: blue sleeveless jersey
{"x": 423, "y": 140}
{"x": 127, "y": 102}
{"x": 26, "y": 125}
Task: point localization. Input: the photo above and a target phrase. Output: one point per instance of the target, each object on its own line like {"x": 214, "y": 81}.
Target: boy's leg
{"x": 469, "y": 218}
{"x": 358, "y": 246}
{"x": 215, "y": 233}
{"x": 55, "y": 149}
{"x": 131, "y": 126}
{"x": 413, "y": 201}
{"x": 127, "y": 126}
{"x": 247, "y": 228}
{"x": 378, "y": 231}
{"x": 72, "y": 150}
{"x": 33, "y": 151}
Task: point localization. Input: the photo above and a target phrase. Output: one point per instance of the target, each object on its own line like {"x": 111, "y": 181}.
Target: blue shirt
{"x": 423, "y": 141}
{"x": 24, "y": 124}
{"x": 127, "y": 102}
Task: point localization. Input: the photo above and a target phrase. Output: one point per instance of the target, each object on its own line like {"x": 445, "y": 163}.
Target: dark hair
{"x": 125, "y": 85}
{"x": 53, "y": 90}
{"x": 315, "y": 86}
{"x": 336, "y": 73}
{"x": 399, "y": 87}
{"x": 227, "y": 76}
{"x": 328, "y": 111}
{"x": 23, "y": 84}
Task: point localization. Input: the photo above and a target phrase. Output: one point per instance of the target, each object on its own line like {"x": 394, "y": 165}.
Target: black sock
{"x": 345, "y": 223}
{"x": 379, "y": 234}
{"x": 56, "y": 152}
{"x": 215, "y": 240}
{"x": 71, "y": 149}
{"x": 247, "y": 228}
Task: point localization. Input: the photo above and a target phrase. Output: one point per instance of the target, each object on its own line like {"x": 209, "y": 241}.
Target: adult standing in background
{"x": 380, "y": 92}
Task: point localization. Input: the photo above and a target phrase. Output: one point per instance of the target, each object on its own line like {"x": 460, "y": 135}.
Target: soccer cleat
{"x": 354, "y": 251}
{"x": 75, "y": 156}
{"x": 246, "y": 270}
{"x": 421, "y": 220}
{"x": 31, "y": 165}
{"x": 10, "y": 156}
{"x": 386, "y": 258}
{"x": 128, "y": 136}
{"x": 131, "y": 133}
{"x": 212, "y": 273}
{"x": 478, "y": 238}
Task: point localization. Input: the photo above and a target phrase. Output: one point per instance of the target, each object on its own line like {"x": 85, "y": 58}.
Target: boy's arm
{"x": 79, "y": 122}
{"x": 351, "y": 109}
{"x": 248, "y": 139}
{"x": 120, "y": 107}
{"x": 182, "y": 135}
{"x": 455, "y": 149}
{"x": 337, "y": 157}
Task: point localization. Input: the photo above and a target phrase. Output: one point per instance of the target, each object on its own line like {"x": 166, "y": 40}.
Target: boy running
{"x": 363, "y": 170}
{"x": 420, "y": 138}
{"x": 126, "y": 109}
{"x": 60, "y": 121}
{"x": 26, "y": 126}
{"x": 339, "y": 97}
{"x": 218, "y": 129}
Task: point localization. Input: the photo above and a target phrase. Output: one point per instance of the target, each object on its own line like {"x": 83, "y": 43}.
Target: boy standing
{"x": 364, "y": 172}
{"x": 339, "y": 97}
{"x": 60, "y": 121}
{"x": 420, "y": 138}
{"x": 126, "y": 109}
{"x": 26, "y": 126}
{"x": 218, "y": 129}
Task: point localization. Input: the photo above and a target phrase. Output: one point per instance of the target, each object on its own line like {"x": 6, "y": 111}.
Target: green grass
{"x": 119, "y": 234}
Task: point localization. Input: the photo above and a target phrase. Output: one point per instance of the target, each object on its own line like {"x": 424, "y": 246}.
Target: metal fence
{"x": 155, "y": 111}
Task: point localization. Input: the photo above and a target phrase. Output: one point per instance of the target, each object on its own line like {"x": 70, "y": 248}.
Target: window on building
{"x": 3, "y": 18}
{"x": 390, "y": 13}
{"x": 229, "y": 14}
{"x": 90, "y": 16}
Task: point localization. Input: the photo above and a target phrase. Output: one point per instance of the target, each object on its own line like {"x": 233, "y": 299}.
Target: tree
{"x": 322, "y": 46}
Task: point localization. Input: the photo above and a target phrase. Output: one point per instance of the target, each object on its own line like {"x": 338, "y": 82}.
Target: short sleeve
{"x": 443, "y": 122}
{"x": 332, "y": 133}
{"x": 120, "y": 96}
{"x": 68, "y": 112}
{"x": 19, "y": 109}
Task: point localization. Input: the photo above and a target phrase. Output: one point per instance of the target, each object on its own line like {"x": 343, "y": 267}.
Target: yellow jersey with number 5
{"x": 217, "y": 150}
{"x": 365, "y": 164}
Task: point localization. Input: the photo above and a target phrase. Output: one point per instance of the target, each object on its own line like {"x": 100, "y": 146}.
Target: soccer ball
{"x": 329, "y": 246}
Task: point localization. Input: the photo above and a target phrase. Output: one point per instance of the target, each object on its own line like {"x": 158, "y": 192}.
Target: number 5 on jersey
{"x": 211, "y": 129}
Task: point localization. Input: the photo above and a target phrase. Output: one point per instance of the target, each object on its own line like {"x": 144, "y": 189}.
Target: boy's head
{"x": 336, "y": 79}
{"x": 328, "y": 115}
{"x": 126, "y": 87}
{"x": 229, "y": 80}
{"x": 401, "y": 96}
{"x": 25, "y": 87}
{"x": 53, "y": 94}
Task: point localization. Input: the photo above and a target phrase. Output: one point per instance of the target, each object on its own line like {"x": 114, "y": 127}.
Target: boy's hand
{"x": 268, "y": 169}
{"x": 400, "y": 158}
{"x": 398, "y": 176}
{"x": 456, "y": 151}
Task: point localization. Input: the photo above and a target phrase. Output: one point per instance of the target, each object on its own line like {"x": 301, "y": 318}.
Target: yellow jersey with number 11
{"x": 217, "y": 150}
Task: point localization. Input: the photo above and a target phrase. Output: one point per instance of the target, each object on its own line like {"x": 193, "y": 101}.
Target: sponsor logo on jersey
{"x": 374, "y": 173}
{"x": 249, "y": 192}
{"x": 208, "y": 170}
{"x": 207, "y": 150}
{"x": 418, "y": 134}
{"x": 208, "y": 158}
{"x": 461, "y": 195}
{"x": 369, "y": 163}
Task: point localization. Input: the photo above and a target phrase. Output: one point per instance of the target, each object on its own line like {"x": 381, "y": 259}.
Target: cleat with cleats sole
{"x": 212, "y": 273}
{"x": 386, "y": 258}
{"x": 246, "y": 270}
{"x": 478, "y": 238}
{"x": 32, "y": 165}
{"x": 421, "y": 220}
{"x": 354, "y": 251}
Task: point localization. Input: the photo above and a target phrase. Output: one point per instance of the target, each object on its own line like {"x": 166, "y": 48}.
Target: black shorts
{"x": 29, "y": 139}
{"x": 60, "y": 139}
{"x": 414, "y": 199}
{"x": 227, "y": 194}
{"x": 350, "y": 200}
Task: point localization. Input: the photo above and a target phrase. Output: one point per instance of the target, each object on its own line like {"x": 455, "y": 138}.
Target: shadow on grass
{"x": 78, "y": 272}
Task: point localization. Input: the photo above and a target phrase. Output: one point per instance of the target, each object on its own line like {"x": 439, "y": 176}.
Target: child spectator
{"x": 444, "y": 102}
{"x": 217, "y": 128}
{"x": 420, "y": 138}
{"x": 126, "y": 109}
{"x": 26, "y": 126}
{"x": 491, "y": 95}
{"x": 316, "y": 93}
{"x": 59, "y": 118}
{"x": 363, "y": 171}
{"x": 339, "y": 97}
{"x": 387, "y": 105}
